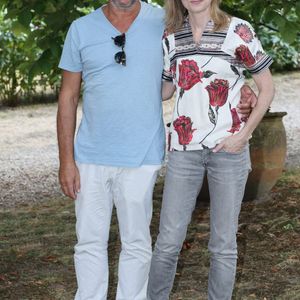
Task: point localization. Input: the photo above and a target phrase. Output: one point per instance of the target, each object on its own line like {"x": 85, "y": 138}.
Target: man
{"x": 120, "y": 142}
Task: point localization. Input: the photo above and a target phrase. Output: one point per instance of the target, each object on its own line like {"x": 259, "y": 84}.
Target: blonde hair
{"x": 176, "y": 14}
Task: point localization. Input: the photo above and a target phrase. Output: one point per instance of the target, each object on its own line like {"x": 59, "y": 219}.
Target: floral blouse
{"x": 208, "y": 76}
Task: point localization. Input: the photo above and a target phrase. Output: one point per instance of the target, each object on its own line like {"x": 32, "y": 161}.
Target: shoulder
{"x": 153, "y": 16}
{"x": 87, "y": 20}
{"x": 235, "y": 21}
{"x": 242, "y": 29}
{"x": 154, "y": 10}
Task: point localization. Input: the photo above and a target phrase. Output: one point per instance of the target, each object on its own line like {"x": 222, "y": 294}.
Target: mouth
{"x": 196, "y": 1}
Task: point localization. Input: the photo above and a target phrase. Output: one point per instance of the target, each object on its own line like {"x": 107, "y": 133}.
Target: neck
{"x": 199, "y": 20}
{"x": 122, "y": 13}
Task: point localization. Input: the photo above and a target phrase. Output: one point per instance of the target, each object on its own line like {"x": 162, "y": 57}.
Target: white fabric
{"x": 208, "y": 77}
{"x": 130, "y": 189}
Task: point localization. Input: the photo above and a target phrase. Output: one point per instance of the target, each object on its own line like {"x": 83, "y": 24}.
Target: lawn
{"x": 36, "y": 249}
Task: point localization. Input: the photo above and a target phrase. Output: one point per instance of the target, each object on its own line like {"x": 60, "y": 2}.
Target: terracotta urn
{"x": 268, "y": 152}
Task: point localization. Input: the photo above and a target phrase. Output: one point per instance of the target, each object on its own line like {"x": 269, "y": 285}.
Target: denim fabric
{"x": 227, "y": 175}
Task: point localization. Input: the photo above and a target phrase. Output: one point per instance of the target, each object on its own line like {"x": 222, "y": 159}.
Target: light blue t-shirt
{"x": 122, "y": 121}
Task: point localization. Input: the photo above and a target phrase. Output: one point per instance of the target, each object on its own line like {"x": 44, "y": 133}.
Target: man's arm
{"x": 247, "y": 103}
{"x": 66, "y": 124}
{"x": 266, "y": 90}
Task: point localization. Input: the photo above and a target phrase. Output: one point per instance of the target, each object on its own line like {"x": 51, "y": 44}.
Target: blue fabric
{"x": 122, "y": 113}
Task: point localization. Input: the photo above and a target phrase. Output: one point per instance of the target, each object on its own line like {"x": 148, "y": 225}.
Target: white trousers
{"x": 130, "y": 189}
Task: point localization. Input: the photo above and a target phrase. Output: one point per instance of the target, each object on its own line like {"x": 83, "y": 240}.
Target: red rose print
{"x": 183, "y": 127}
{"x": 189, "y": 74}
{"x": 258, "y": 55}
{"x": 218, "y": 92}
{"x": 236, "y": 122}
{"x": 244, "y": 55}
{"x": 244, "y": 32}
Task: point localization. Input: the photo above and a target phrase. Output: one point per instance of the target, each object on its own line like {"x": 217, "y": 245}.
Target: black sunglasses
{"x": 119, "y": 41}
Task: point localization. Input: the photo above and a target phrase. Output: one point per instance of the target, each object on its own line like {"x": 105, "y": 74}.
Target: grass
{"x": 36, "y": 249}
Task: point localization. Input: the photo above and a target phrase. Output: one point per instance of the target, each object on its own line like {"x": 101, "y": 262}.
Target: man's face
{"x": 197, "y": 6}
{"x": 124, "y": 4}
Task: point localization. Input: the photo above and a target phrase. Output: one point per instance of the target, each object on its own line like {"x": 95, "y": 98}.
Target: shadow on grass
{"x": 36, "y": 249}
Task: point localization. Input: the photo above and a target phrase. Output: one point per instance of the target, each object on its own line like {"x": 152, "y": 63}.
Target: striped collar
{"x": 208, "y": 28}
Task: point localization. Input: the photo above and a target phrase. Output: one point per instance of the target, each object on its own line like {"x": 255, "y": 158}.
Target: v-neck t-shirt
{"x": 122, "y": 121}
{"x": 208, "y": 77}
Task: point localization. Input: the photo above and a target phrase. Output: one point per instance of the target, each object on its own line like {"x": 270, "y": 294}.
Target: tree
{"x": 44, "y": 23}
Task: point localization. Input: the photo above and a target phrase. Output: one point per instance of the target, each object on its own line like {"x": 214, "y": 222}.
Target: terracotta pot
{"x": 268, "y": 152}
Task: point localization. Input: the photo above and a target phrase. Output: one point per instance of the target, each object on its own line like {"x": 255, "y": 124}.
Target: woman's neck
{"x": 198, "y": 22}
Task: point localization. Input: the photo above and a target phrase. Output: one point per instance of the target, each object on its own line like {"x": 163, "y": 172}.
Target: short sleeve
{"x": 71, "y": 59}
{"x": 167, "y": 72}
{"x": 242, "y": 43}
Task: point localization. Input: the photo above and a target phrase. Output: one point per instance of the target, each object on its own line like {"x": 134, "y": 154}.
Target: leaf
{"x": 45, "y": 43}
{"x": 289, "y": 32}
{"x": 25, "y": 17}
{"x": 24, "y": 67}
{"x": 298, "y": 9}
{"x": 181, "y": 93}
{"x": 275, "y": 18}
{"x": 56, "y": 51}
{"x": 208, "y": 73}
{"x": 235, "y": 70}
{"x": 42, "y": 65}
{"x": 258, "y": 8}
{"x": 50, "y": 8}
{"x": 18, "y": 28}
{"x": 211, "y": 115}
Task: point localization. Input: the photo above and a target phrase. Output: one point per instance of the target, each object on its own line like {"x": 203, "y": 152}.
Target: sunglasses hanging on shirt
{"x": 120, "y": 57}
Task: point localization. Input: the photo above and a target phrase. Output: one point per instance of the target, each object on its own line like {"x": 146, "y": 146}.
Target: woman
{"x": 205, "y": 54}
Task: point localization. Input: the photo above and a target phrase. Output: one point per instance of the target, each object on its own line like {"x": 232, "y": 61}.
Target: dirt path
{"x": 28, "y": 147}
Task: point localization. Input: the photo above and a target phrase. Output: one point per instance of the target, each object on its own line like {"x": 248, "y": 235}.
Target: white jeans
{"x": 130, "y": 189}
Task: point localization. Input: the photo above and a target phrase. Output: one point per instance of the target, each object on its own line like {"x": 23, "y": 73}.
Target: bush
{"x": 32, "y": 34}
{"x": 17, "y": 56}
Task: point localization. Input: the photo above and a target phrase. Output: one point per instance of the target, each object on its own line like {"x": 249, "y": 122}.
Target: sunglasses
{"x": 119, "y": 41}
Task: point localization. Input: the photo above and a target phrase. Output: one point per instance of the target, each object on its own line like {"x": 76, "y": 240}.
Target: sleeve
{"x": 167, "y": 72}
{"x": 71, "y": 59}
{"x": 242, "y": 43}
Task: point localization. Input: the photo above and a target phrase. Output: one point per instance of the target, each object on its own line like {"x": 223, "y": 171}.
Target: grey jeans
{"x": 227, "y": 175}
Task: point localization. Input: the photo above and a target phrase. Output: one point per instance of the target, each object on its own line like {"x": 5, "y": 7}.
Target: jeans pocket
{"x": 243, "y": 150}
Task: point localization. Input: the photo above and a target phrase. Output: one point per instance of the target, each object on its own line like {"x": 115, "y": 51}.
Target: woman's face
{"x": 197, "y": 6}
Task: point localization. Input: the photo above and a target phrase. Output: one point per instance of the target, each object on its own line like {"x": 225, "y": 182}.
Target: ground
{"x": 36, "y": 250}
{"x": 37, "y": 222}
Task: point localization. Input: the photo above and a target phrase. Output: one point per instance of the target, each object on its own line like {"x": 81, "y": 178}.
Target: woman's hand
{"x": 232, "y": 144}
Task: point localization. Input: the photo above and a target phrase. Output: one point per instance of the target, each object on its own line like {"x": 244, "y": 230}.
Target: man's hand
{"x": 247, "y": 103}
{"x": 69, "y": 179}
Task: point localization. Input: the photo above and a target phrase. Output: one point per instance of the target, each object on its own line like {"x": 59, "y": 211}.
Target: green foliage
{"x": 33, "y": 33}
{"x": 18, "y": 56}
{"x": 15, "y": 58}
{"x": 286, "y": 56}
{"x": 277, "y": 25}
{"x": 278, "y": 16}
